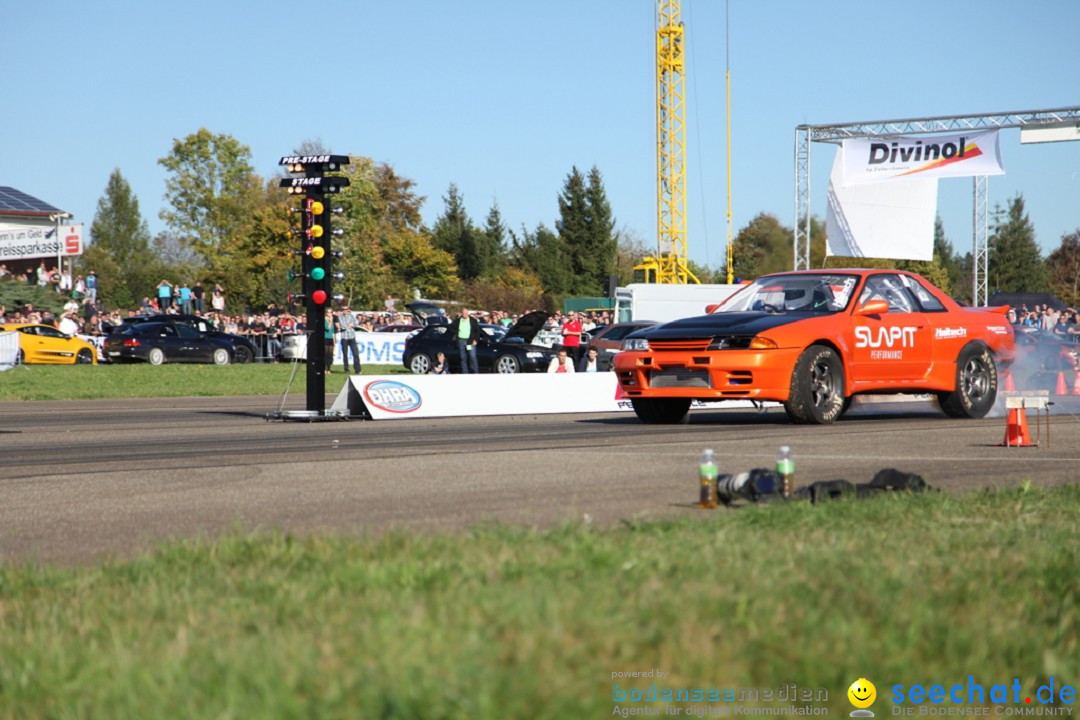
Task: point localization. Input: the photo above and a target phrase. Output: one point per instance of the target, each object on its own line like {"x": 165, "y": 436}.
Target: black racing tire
{"x": 156, "y": 356}
{"x": 847, "y": 405}
{"x": 662, "y": 411}
{"x": 976, "y": 384}
{"x": 420, "y": 363}
{"x": 84, "y": 357}
{"x": 817, "y": 387}
{"x": 507, "y": 365}
{"x": 221, "y": 356}
{"x": 242, "y": 354}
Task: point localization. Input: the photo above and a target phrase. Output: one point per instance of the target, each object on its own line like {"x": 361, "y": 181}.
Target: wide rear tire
{"x": 156, "y": 356}
{"x": 817, "y": 387}
{"x": 84, "y": 357}
{"x": 662, "y": 411}
{"x": 976, "y": 384}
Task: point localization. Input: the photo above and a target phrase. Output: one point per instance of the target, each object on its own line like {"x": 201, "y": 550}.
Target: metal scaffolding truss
{"x": 805, "y": 135}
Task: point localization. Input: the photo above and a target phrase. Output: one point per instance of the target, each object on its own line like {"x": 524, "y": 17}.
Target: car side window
{"x": 888, "y": 288}
{"x": 167, "y": 331}
{"x": 926, "y": 299}
{"x": 187, "y": 332}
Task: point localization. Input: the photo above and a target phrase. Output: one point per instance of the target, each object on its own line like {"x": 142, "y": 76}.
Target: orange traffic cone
{"x": 1076, "y": 383}
{"x": 1062, "y": 388}
{"x": 1010, "y": 384}
{"x": 1016, "y": 432}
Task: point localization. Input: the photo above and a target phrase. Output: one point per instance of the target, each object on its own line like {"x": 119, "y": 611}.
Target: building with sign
{"x": 31, "y": 232}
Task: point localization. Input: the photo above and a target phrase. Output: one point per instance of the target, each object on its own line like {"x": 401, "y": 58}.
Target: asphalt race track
{"x": 83, "y": 481}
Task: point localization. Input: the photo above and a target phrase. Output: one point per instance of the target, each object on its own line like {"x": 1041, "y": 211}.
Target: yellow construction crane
{"x": 669, "y": 265}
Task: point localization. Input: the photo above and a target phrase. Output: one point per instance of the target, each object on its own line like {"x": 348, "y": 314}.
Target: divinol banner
{"x": 872, "y": 160}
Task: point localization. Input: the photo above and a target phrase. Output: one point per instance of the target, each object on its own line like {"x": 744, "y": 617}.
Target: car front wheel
{"x": 817, "y": 387}
{"x": 156, "y": 356}
{"x": 976, "y": 384}
{"x": 244, "y": 354}
{"x": 662, "y": 411}
{"x": 507, "y": 365}
{"x": 420, "y": 364}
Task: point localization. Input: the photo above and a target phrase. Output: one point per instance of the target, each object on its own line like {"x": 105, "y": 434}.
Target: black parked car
{"x": 512, "y": 354}
{"x": 241, "y": 349}
{"x": 161, "y": 342}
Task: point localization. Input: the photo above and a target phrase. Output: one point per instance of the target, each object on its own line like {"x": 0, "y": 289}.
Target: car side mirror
{"x": 873, "y": 307}
{"x": 710, "y": 308}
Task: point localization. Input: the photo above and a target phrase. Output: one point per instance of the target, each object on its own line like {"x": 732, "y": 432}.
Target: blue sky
{"x": 503, "y": 98}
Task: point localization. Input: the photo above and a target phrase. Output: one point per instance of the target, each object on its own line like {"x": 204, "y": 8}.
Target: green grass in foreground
{"x": 91, "y": 382}
{"x": 513, "y": 623}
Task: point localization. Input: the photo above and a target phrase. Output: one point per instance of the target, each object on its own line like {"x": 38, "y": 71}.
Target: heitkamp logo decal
{"x": 392, "y": 396}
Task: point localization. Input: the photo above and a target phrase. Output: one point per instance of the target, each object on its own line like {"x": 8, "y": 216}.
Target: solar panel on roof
{"x": 16, "y": 201}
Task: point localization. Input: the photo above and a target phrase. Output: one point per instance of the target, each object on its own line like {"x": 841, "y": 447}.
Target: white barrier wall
{"x": 9, "y": 349}
{"x": 388, "y": 397}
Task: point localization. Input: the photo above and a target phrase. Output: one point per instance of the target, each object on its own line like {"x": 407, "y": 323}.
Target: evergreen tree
{"x": 604, "y": 243}
{"x": 119, "y": 251}
{"x": 492, "y": 244}
{"x": 455, "y": 234}
{"x": 587, "y": 228}
{"x": 1063, "y": 268}
{"x": 574, "y": 230}
{"x": 543, "y": 254}
{"x": 1015, "y": 263}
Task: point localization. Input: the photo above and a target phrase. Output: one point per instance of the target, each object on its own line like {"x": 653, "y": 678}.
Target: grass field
{"x": 514, "y": 623}
{"x": 90, "y": 382}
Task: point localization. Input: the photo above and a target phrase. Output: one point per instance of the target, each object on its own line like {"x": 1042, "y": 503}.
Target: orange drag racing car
{"x": 812, "y": 340}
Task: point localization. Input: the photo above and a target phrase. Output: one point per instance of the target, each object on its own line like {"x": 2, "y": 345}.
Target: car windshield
{"x": 817, "y": 293}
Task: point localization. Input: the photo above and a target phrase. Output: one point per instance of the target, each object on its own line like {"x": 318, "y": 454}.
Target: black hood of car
{"x": 527, "y": 326}
{"x": 729, "y": 323}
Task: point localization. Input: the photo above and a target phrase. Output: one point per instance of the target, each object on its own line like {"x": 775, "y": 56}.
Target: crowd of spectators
{"x": 84, "y": 314}
{"x": 1064, "y": 323}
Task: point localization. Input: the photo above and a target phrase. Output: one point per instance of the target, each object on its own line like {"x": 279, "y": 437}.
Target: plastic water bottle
{"x": 785, "y": 468}
{"x": 707, "y": 478}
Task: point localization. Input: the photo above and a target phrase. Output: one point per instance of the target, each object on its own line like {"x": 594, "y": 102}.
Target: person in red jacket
{"x": 571, "y": 332}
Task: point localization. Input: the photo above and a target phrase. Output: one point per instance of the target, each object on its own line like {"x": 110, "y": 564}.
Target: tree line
{"x": 227, "y": 225}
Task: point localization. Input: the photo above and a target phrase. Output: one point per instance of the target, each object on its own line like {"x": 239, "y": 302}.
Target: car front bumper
{"x": 708, "y": 375}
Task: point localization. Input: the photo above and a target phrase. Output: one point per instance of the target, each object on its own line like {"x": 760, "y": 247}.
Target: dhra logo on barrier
{"x": 392, "y": 396}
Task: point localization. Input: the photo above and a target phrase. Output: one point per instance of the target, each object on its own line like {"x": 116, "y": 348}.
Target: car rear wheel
{"x": 662, "y": 411}
{"x": 507, "y": 365}
{"x": 221, "y": 356}
{"x": 85, "y": 357}
{"x": 420, "y": 364}
{"x": 244, "y": 354}
{"x": 817, "y": 387}
{"x": 976, "y": 384}
{"x": 156, "y": 356}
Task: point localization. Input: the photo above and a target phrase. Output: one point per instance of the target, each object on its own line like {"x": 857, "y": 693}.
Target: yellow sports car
{"x": 46, "y": 344}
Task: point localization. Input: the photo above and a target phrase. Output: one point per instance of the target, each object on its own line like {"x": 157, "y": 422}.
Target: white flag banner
{"x": 890, "y": 220}
{"x": 873, "y": 160}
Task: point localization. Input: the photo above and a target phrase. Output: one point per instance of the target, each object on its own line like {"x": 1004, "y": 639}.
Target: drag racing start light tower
{"x": 317, "y": 257}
